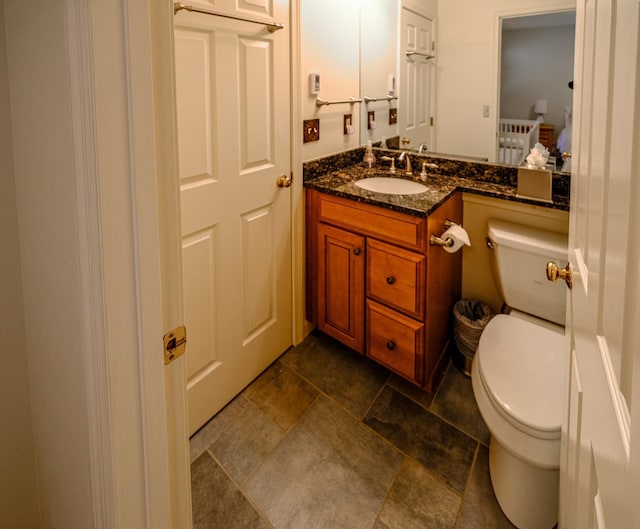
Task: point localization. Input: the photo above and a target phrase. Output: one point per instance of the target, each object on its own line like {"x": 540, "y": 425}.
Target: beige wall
{"x": 18, "y": 505}
{"x": 477, "y": 276}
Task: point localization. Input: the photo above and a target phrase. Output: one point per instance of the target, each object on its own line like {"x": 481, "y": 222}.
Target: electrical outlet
{"x": 310, "y": 130}
{"x": 393, "y": 116}
{"x": 485, "y": 111}
{"x": 371, "y": 119}
{"x": 348, "y": 124}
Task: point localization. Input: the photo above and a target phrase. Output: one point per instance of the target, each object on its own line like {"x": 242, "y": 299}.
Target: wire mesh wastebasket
{"x": 471, "y": 316}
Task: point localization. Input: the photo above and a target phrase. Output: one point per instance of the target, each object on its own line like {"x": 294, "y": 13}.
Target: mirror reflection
{"x": 482, "y": 84}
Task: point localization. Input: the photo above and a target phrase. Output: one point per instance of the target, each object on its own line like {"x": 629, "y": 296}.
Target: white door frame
{"x": 139, "y": 464}
{"x": 137, "y": 407}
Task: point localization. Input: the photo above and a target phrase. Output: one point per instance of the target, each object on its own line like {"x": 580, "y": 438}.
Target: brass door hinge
{"x": 175, "y": 344}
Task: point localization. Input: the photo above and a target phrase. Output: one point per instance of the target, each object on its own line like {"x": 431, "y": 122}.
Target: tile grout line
{"x": 387, "y": 494}
{"x": 389, "y": 443}
{"x": 466, "y": 485}
{"x": 360, "y": 421}
{"x": 436, "y": 414}
{"x": 241, "y": 490}
{"x": 384, "y": 439}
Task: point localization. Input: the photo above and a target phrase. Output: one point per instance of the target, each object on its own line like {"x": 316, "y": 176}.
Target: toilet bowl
{"x": 518, "y": 377}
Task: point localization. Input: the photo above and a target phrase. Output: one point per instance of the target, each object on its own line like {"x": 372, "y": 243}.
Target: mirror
{"x": 468, "y": 92}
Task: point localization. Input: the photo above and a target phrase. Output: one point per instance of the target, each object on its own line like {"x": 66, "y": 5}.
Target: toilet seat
{"x": 522, "y": 368}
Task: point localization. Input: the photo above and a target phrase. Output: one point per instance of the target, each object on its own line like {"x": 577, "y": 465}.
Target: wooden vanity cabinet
{"x": 375, "y": 284}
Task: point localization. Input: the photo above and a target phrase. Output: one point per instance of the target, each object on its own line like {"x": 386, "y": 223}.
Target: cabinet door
{"x": 341, "y": 262}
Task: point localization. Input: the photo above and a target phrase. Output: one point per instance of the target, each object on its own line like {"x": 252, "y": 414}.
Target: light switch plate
{"x": 310, "y": 130}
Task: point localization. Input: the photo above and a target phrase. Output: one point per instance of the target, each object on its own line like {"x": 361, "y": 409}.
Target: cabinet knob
{"x": 391, "y": 280}
{"x": 356, "y": 251}
{"x": 391, "y": 345}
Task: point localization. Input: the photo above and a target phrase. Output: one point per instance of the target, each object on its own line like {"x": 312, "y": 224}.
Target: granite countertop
{"x": 336, "y": 176}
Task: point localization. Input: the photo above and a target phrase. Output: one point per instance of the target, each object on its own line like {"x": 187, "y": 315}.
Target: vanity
{"x": 377, "y": 286}
{"x": 374, "y": 281}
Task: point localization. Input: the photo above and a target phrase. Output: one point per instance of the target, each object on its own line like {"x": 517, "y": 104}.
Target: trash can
{"x": 470, "y": 318}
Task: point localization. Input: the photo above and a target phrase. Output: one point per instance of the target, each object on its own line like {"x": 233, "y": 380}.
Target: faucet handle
{"x": 423, "y": 173}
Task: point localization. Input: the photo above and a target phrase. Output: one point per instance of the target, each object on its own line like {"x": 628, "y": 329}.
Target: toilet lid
{"x": 523, "y": 367}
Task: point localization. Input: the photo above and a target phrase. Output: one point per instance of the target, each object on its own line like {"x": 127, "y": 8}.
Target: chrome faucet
{"x": 408, "y": 170}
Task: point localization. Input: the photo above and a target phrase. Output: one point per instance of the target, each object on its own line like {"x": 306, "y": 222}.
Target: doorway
{"x": 536, "y": 66}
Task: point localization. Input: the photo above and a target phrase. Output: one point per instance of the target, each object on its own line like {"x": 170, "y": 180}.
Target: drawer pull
{"x": 391, "y": 280}
{"x": 356, "y": 251}
{"x": 391, "y": 345}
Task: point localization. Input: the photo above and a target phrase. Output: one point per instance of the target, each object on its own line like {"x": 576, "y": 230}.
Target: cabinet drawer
{"x": 396, "y": 277}
{"x": 395, "y": 341}
{"x": 378, "y": 222}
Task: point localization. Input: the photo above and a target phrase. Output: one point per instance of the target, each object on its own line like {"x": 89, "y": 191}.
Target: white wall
{"x": 378, "y": 60}
{"x": 330, "y": 46}
{"x": 537, "y": 64}
{"x": 18, "y": 493}
{"x": 354, "y": 45}
{"x": 467, "y": 70}
{"x": 38, "y": 72}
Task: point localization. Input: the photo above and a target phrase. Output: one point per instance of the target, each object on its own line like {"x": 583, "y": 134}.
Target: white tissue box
{"x": 534, "y": 183}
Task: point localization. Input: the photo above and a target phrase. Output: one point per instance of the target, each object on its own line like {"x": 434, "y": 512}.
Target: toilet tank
{"x": 519, "y": 258}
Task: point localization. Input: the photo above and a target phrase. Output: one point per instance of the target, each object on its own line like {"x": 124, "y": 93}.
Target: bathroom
{"x": 72, "y": 448}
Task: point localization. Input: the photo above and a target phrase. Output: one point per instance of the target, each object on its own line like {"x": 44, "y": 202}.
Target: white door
{"x": 416, "y": 80}
{"x": 232, "y": 91}
{"x": 600, "y": 469}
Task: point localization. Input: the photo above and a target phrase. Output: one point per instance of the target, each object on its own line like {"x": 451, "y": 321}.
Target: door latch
{"x": 175, "y": 344}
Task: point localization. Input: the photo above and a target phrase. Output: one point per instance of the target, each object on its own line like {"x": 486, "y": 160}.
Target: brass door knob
{"x": 283, "y": 181}
{"x": 553, "y": 273}
{"x": 405, "y": 140}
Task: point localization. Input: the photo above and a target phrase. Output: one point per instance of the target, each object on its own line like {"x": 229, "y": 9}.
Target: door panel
{"x": 599, "y": 470}
{"x": 259, "y": 267}
{"x": 232, "y": 86}
{"x": 198, "y": 258}
{"x": 416, "y": 79}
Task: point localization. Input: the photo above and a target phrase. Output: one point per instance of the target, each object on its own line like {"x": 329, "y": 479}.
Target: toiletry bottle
{"x": 369, "y": 157}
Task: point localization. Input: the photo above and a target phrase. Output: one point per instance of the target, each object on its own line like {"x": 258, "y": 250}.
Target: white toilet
{"x": 519, "y": 374}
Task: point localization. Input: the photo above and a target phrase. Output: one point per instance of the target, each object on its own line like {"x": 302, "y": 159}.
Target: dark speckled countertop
{"x": 336, "y": 175}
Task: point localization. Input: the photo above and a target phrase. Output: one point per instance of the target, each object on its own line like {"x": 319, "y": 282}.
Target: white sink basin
{"x": 391, "y": 186}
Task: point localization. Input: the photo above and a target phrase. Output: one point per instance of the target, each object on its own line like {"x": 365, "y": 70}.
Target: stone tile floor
{"x": 326, "y": 439}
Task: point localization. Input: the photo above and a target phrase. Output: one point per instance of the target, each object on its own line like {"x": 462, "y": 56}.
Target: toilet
{"x": 519, "y": 373}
